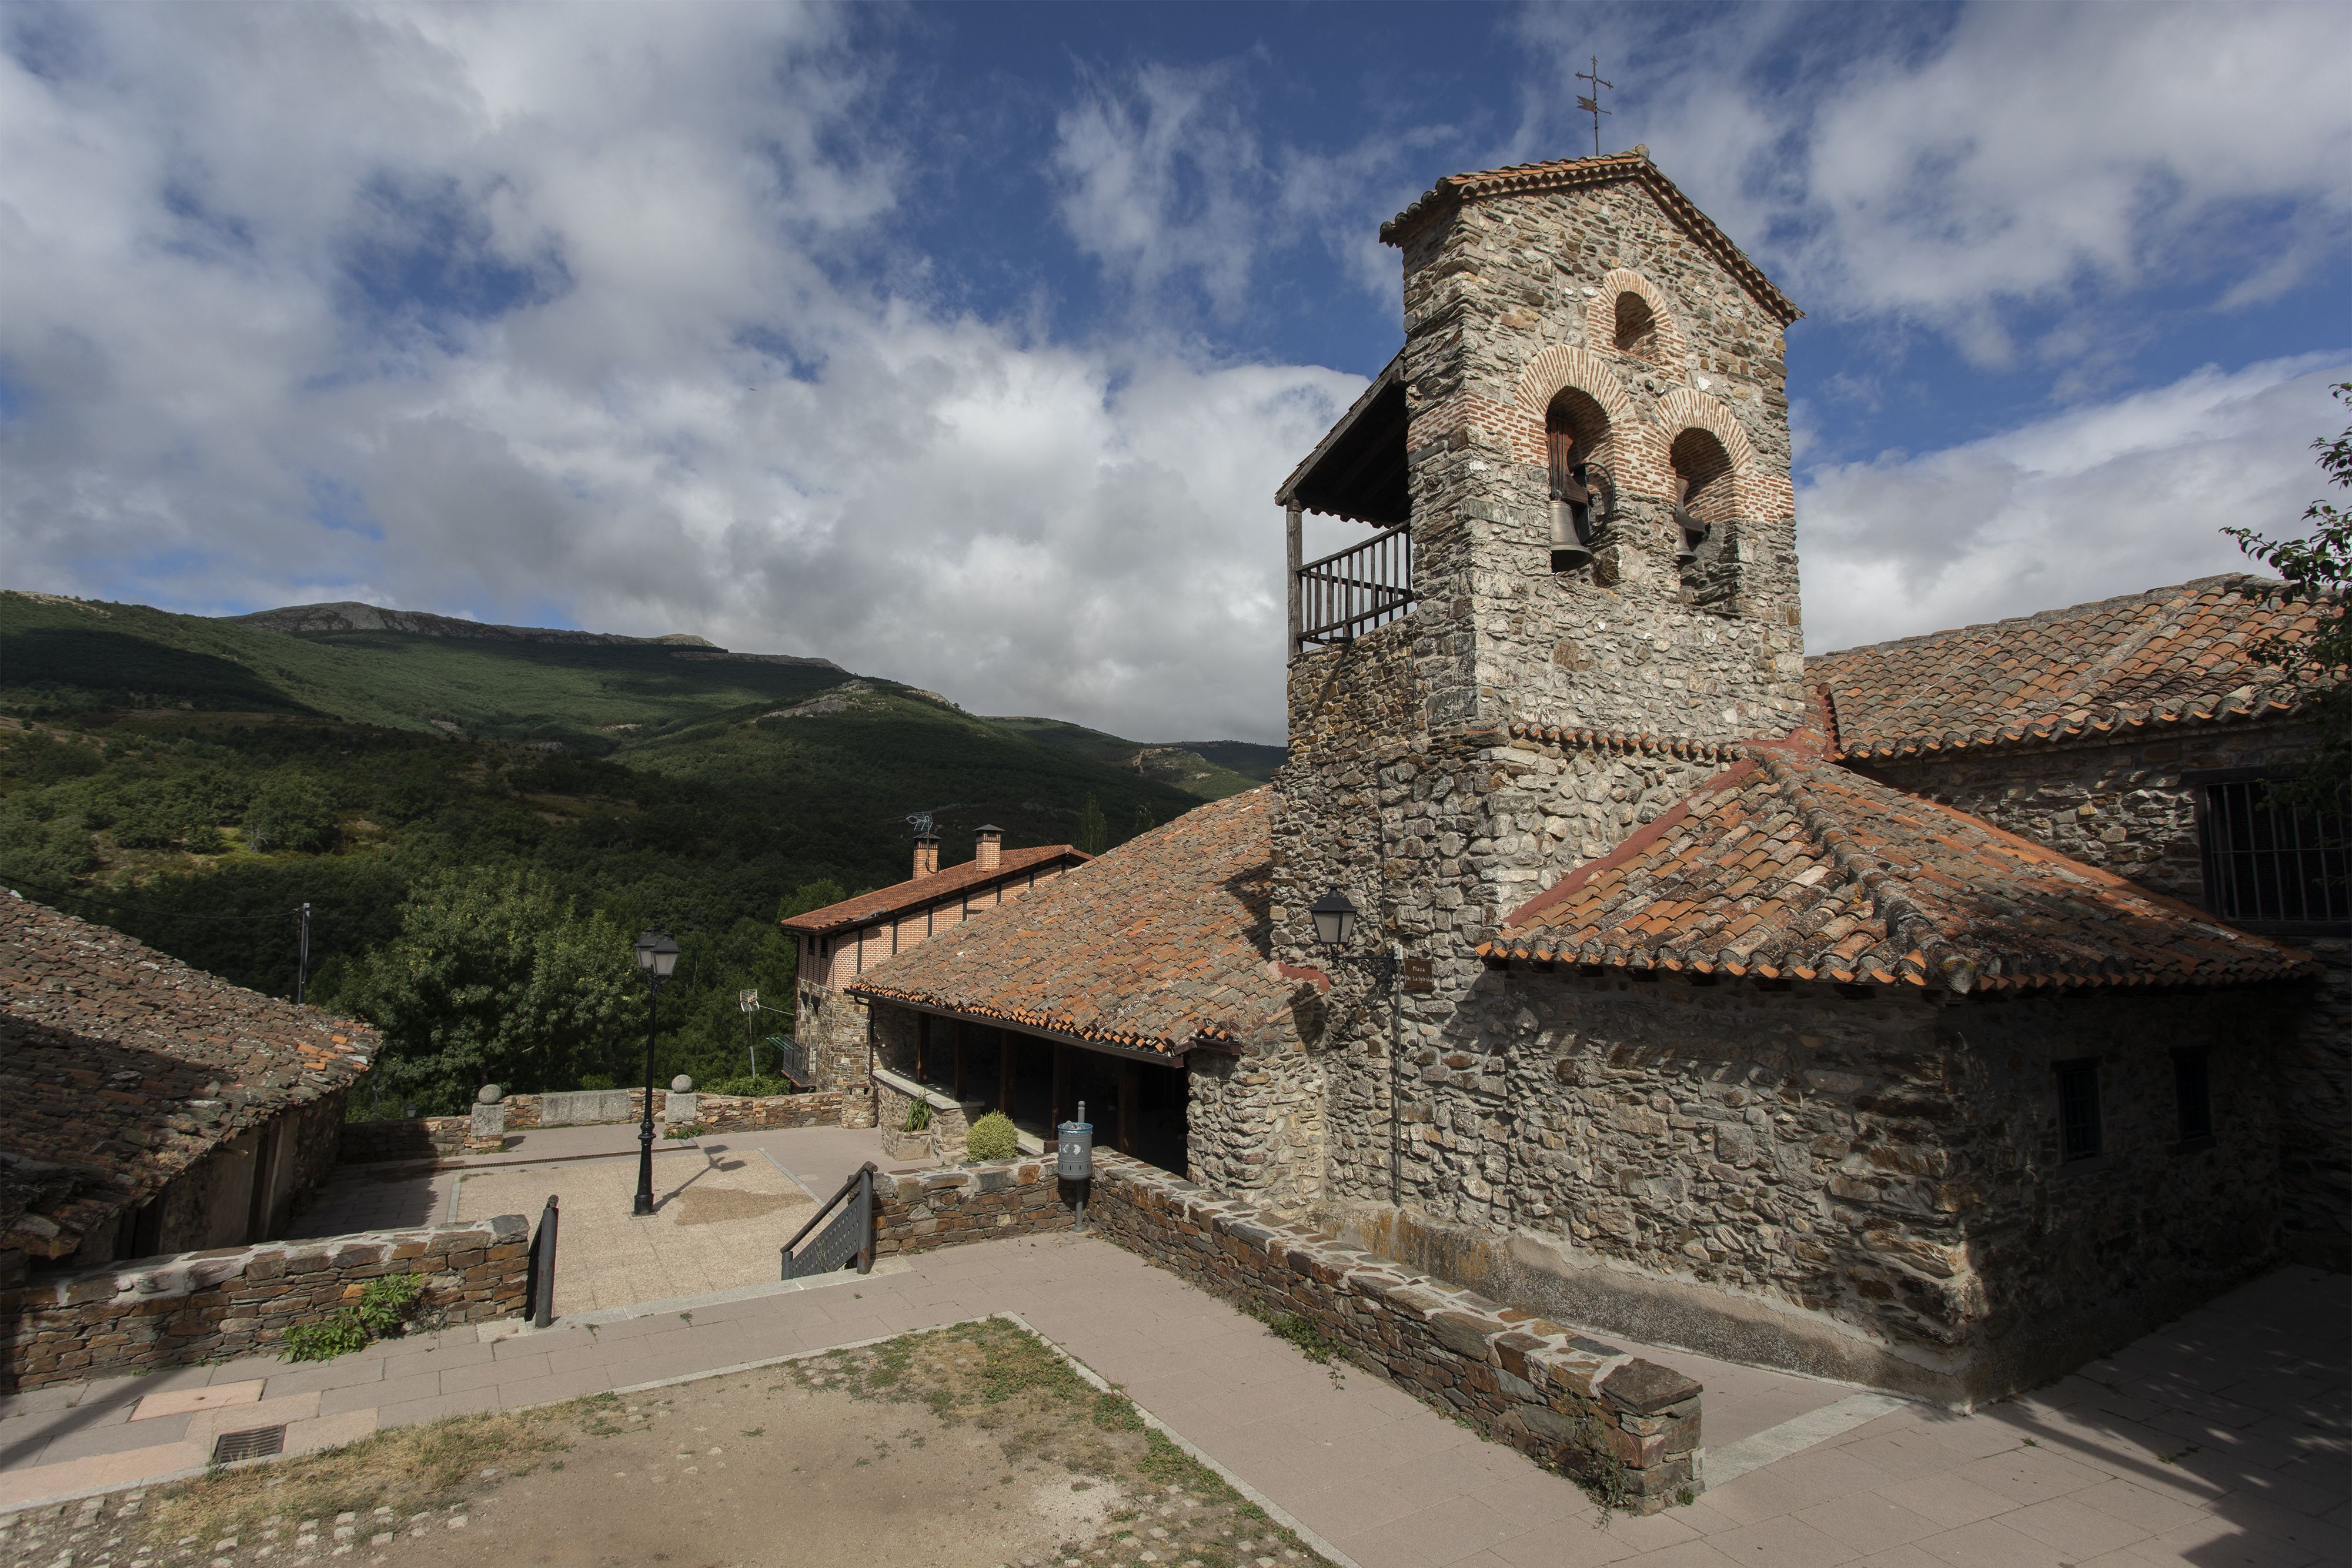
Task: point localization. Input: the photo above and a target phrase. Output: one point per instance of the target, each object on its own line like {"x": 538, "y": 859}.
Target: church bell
{"x": 1568, "y": 533}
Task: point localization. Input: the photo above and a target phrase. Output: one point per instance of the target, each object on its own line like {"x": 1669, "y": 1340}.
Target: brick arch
{"x": 1672, "y": 350}
{"x": 1637, "y": 457}
{"x": 1755, "y": 493}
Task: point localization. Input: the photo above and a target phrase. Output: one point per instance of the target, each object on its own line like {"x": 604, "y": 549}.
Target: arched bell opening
{"x": 1703, "y": 515}
{"x": 1579, "y": 443}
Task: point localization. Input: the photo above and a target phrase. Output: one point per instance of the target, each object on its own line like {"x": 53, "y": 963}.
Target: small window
{"x": 2192, "y": 1092}
{"x": 1637, "y": 325}
{"x": 2271, "y": 860}
{"x": 2078, "y": 1111}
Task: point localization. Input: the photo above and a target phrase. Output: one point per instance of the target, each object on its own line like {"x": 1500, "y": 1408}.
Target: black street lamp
{"x": 657, "y": 956}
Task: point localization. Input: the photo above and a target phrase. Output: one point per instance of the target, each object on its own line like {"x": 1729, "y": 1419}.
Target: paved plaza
{"x": 2224, "y": 1439}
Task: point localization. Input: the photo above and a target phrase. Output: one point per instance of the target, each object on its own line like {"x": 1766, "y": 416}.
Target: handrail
{"x": 847, "y": 1188}
{"x": 1355, "y": 590}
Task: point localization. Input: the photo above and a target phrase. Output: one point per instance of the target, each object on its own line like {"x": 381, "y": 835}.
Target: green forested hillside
{"x": 1212, "y": 769}
{"x": 481, "y": 825}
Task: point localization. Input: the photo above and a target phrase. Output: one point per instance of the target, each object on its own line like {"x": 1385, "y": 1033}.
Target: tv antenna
{"x": 921, "y": 823}
{"x": 1592, "y": 105}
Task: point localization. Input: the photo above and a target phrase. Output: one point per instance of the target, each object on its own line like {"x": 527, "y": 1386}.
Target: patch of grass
{"x": 409, "y": 1469}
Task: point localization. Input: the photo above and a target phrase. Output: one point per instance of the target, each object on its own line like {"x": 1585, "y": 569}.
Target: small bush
{"x": 204, "y": 839}
{"x": 993, "y": 1138}
{"x": 919, "y": 1117}
{"x": 385, "y": 1307}
{"x": 751, "y": 1086}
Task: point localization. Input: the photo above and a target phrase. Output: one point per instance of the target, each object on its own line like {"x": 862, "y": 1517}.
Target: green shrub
{"x": 385, "y": 1307}
{"x": 204, "y": 839}
{"x": 919, "y": 1116}
{"x": 762, "y": 1086}
{"x": 992, "y": 1138}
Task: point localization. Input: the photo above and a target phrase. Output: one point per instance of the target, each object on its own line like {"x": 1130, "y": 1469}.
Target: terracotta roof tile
{"x": 1881, "y": 887}
{"x": 1161, "y": 944}
{"x": 120, "y": 1067}
{"x": 2166, "y": 657}
{"x": 916, "y": 891}
{"x": 1569, "y": 174}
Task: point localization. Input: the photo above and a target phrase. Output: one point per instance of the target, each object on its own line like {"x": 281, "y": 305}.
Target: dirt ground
{"x": 960, "y": 1447}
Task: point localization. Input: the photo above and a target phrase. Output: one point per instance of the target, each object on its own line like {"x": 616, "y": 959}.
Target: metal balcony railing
{"x": 1353, "y": 590}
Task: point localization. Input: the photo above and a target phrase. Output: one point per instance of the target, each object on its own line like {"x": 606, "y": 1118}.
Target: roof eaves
{"x": 1389, "y": 375}
{"x": 1051, "y": 1026}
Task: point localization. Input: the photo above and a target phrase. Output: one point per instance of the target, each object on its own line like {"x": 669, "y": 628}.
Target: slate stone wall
{"x": 2126, "y": 806}
{"x": 991, "y": 1202}
{"x": 204, "y": 1306}
{"x": 831, "y": 1024}
{"x": 1861, "y": 1186}
{"x": 444, "y": 1137}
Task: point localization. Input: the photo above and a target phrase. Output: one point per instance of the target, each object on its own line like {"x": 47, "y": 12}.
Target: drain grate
{"x": 256, "y": 1444}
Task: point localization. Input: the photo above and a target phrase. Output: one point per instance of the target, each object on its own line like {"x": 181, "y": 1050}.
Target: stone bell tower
{"x": 1584, "y": 444}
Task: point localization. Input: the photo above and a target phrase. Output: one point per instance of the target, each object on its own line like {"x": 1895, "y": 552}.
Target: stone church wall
{"x": 832, "y": 1025}
{"x": 1858, "y": 1187}
{"x": 2125, "y": 807}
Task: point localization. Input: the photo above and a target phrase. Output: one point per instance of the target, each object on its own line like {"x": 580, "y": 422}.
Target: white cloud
{"x": 2101, "y": 500}
{"x": 2052, "y": 155}
{"x": 458, "y": 314}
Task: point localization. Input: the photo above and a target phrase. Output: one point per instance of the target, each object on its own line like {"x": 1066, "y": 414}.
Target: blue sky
{"x": 966, "y": 344}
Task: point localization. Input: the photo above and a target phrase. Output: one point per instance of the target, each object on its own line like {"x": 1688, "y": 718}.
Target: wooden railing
{"x": 1353, "y": 590}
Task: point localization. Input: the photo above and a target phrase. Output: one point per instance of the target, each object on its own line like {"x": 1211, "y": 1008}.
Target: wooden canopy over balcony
{"x": 1357, "y": 471}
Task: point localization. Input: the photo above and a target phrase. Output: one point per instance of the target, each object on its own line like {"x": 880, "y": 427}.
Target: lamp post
{"x": 1334, "y": 930}
{"x": 657, "y": 956}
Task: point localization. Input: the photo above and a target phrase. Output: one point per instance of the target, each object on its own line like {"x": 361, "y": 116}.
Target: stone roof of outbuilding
{"x": 1572, "y": 174}
{"x": 120, "y": 1068}
{"x": 2135, "y": 665}
{"x": 1789, "y": 865}
{"x": 1163, "y": 944}
{"x": 916, "y": 891}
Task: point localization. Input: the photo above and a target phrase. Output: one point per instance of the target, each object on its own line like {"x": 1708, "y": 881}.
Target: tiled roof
{"x": 916, "y": 891}
{"x": 1569, "y": 174}
{"x": 1787, "y": 865}
{"x": 120, "y": 1068}
{"x": 2147, "y": 661}
{"x": 1161, "y": 944}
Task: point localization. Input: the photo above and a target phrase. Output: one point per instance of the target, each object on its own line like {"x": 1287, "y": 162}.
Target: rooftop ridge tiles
{"x": 865, "y": 908}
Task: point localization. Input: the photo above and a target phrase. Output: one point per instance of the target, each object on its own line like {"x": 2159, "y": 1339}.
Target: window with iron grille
{"x": 2274, "y": 861}
{"x": 2192, "y": 1092}
{"x": 2078, "y": 1110}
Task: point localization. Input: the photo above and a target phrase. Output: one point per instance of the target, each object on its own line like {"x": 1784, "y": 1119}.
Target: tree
{"x": 2318, "y": 571}
{"x": 1094, "y": 832}
{"x": 496, "y": 977}
{"x": 291, "y": 812}
{"x": 1143, "y": 822}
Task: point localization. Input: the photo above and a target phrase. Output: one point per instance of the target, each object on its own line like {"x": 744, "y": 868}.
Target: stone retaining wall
{"x": 205, "y": 1306}
{"x": 984, "y": 1203}
{"x": 1577, "y": 1405}
{"x": 1628, "y": 1425}
{"x": 444, "y": 1137}
{"x": 417, "y": 1138}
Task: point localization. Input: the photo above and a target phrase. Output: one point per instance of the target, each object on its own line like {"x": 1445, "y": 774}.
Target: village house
{"x": 1936, "y": 1015}
{"x": 147, "y": 1107}
{"x": 838, "y": 943}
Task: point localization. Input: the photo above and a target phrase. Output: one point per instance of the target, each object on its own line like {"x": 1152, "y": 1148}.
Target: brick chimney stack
{"x": 989, "y": 847}
{"x": 926, "y": 855}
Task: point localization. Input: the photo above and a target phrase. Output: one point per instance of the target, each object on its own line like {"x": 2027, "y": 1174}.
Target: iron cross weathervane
{"x": 1592, "y": 105}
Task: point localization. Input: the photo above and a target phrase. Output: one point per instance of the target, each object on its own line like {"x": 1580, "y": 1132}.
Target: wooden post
{"x": 1297, "y": 558}
{"x": 1005, "y": 1073}
{"x": 922, "y": 1043}
{"x": 1061, "y": 1086}
{"x": 1130, "y": 1088}
{"x": 964, "y": 1038}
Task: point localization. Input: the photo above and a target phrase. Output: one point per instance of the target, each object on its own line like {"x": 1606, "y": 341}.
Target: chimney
{"x": 989, "y": 847}
{"x": 927, "y": 855}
